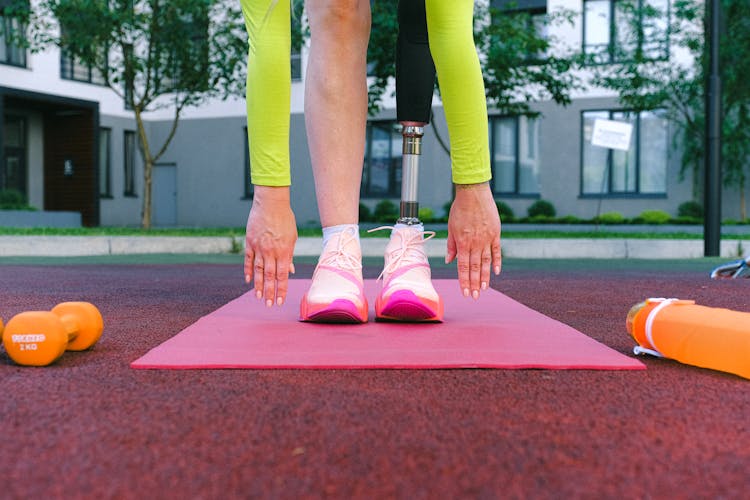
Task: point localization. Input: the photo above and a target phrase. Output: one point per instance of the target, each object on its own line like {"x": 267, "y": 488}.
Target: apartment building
{"x": 68, "y": 143}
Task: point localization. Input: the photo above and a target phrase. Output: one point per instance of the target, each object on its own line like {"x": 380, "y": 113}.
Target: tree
{"x": 520, "y": 64}
{"x": 153, "y": 54}
{"x": 517, "y": 61}
{"x": 645, "y": 82}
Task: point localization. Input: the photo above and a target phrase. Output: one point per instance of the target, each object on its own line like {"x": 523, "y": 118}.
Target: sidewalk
{"x": 528, "y": 248}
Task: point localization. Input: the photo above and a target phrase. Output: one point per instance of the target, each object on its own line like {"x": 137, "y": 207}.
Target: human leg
{"x": 335, "y": 117}
{"x": 407, "y": 293}
{"x": 336, "y": 104}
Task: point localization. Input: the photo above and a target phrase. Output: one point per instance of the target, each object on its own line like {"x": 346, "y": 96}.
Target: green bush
{"x": 426, "y": 214}
{"x": 385, "y": 211}
{"x": 610, "y": 218}
{"x": 541, "y": 219}
{"x": 687, "y": 220}
{"x": 691, "y": 209}
{"x": 365, "y": 214}
{"x": 10, "y": 199}
{"x": 506, "y": 213}
{"x": 654, "y": 217}
{"x": 542, "y": 208}
{"x": 447, "y": 209}
{"x": 569, "y": 219}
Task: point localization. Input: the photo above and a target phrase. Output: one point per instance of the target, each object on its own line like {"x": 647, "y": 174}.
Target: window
{"x": 12, "y": 33}
{"x": 72, "y": 68}
{"x": 129, "y": 163}
{"x": 381, "y": 176}
{"x": 249, "y": 188}
{"x": 296, "y": 60}
{"x": 105, "y": 163}
{"x": 182, "y": 66}
{"x": 641, "y": 170}
{"x": 514, "y": 154}
{"x": 623, "y": 30}
{"x": 13, "y": 175}
{"x": 534, "y": 14}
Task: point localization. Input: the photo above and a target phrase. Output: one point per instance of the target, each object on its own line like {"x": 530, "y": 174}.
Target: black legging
{"x": 415, "y": 70}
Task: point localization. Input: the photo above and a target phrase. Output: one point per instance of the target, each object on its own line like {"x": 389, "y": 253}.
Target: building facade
{"x": 68, "y": 143}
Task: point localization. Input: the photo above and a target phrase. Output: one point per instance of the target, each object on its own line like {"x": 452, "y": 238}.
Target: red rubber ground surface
{"x": 90, "y": 426}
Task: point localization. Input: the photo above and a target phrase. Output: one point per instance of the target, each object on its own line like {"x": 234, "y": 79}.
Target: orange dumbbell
{"x": 39, "y": 338}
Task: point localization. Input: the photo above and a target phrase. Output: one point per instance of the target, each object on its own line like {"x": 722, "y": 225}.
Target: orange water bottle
{"x": 702, "y": 336}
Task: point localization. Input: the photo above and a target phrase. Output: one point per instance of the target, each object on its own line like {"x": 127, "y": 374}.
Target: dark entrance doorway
{"x": 69, "y": 134}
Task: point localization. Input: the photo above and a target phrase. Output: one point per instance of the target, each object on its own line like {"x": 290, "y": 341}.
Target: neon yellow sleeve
{"x": 451, "y": 37}
{"x": 268, "y": 94}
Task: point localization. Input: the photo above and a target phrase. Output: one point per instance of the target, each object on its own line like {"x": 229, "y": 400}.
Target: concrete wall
{"x": 209, "y": 154}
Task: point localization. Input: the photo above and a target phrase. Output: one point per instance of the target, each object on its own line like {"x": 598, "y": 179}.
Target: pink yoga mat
{"x": 492, "y": 332}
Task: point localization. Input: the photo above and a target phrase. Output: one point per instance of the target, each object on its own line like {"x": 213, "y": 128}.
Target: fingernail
{"x": 258, "y": 294}
{"x": 497, "y": 270}
{"x": 484, "y": 285}
{"x": 466, "y": 292}
{"x": 279, "y": 301}
{"x": 247, "y": 278}
{"x": 291, "y": 268}
{"x": 269, "y": 303}
{"x": 475, "y": 294}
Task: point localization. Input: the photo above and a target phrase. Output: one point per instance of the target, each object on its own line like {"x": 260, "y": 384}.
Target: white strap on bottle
{"x": 654, "y": 351}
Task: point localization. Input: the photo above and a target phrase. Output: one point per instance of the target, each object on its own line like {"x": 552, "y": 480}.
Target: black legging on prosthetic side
{"x": 415, "y": 71}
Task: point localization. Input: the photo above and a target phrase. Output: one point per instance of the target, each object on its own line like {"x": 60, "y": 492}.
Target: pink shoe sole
{"x": 404, "y": 305}
{"x": 338, "y": 311}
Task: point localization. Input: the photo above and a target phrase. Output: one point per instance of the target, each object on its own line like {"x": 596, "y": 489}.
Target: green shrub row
{"x": 542, "y": 211}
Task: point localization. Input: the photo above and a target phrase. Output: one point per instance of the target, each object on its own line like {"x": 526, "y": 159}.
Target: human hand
{"x": 474, "y": 237}
{"x": 269, "y": 243}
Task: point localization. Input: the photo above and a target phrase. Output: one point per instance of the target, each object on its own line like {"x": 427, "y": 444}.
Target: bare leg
{"x": 336, "y": 104}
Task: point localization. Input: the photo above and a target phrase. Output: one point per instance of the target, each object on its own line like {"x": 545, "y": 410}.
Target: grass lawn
{"x": 234, "y": 232}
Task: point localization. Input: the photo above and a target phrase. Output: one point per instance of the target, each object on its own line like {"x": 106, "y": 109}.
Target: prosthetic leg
{"x": 415, "y": 81}
{"x": 408, "y": 293}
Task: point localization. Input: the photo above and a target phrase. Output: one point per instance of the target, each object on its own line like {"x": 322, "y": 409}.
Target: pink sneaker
{"x": 336, "y": 294}
{"x": 407, "y": 293}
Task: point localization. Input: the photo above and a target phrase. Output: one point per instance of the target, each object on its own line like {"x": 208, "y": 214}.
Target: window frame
{"x": 609, "y": 166}
{"x": 22, "y": 146}
{"x": 12, "y": 48}
{"x": 610, "y": 55}
{"x": 106, "y": 163}
{"x": 129, "y": 164}
{"x": 493, "y": 119}
{"x": 394, "y": 184}
{"x": 295, "y": 60}
{"x": 68, "y": 65}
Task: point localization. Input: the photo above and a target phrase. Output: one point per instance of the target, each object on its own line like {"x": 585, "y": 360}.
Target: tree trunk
{"x": 148, "y": 166}
{"x": 743, "y": 206}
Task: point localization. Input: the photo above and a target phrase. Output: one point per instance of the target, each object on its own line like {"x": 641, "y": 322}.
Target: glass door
{"x": 13, "y": 174}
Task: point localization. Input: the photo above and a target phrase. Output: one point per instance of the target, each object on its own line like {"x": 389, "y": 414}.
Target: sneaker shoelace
{"x": 340, "y": 258}
{"x": 410, "y": 250}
